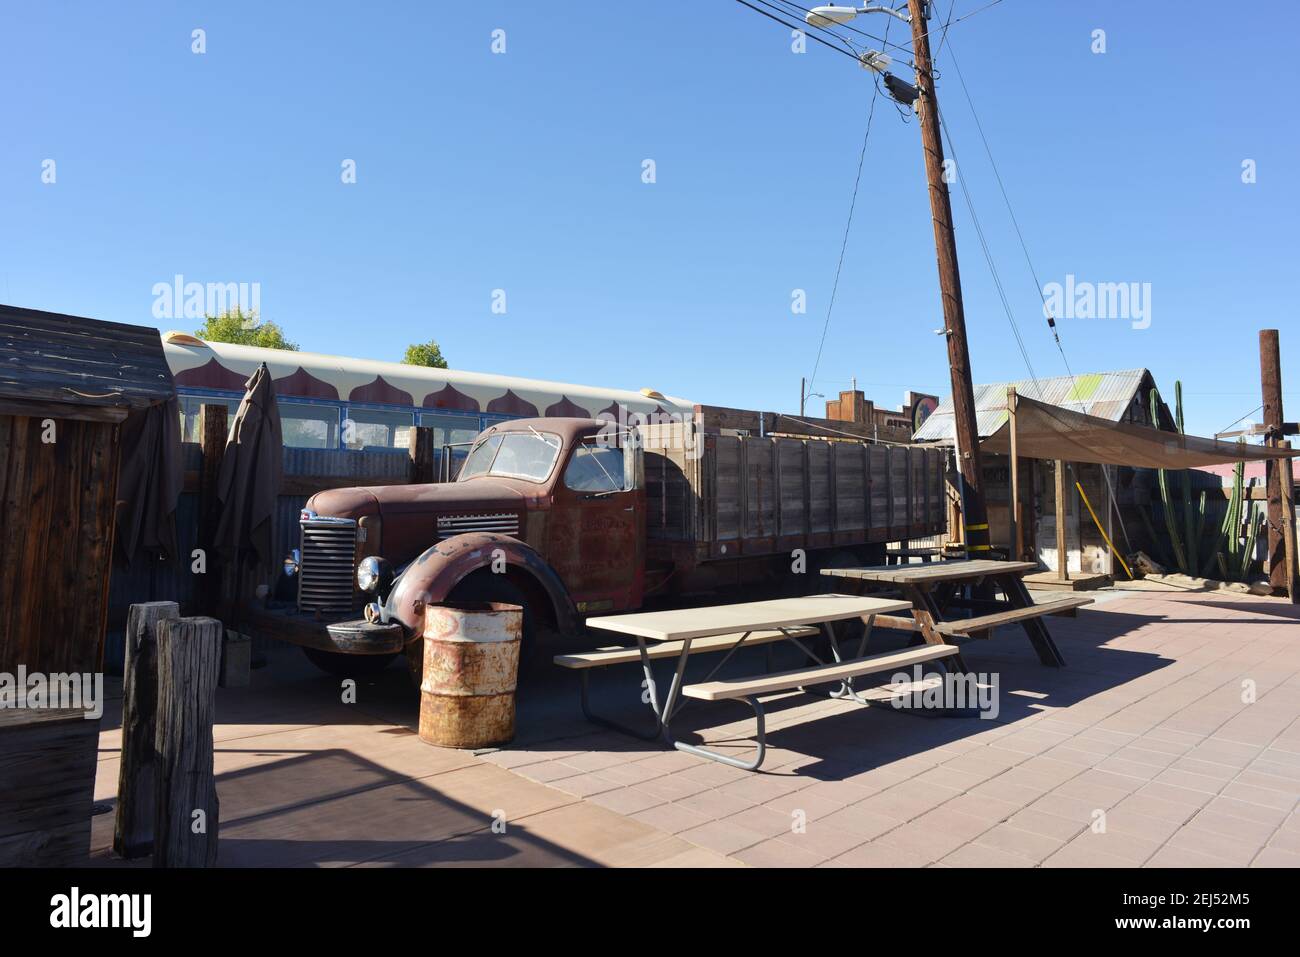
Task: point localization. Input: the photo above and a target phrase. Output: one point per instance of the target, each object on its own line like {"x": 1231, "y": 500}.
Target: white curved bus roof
{"x": 218, "y": 365}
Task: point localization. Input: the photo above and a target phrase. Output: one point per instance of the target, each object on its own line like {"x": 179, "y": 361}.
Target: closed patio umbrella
{"x": 249, "y": 480}
{"x": 150, "y": 482}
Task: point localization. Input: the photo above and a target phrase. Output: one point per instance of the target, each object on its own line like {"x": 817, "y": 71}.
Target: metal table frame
{"x": 673, "y": 702}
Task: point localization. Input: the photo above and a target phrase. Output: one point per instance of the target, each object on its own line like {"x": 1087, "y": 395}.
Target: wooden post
{"x": 974, "y": 512}
{"x": 1288, "y": 527}
{"x": 212, "y": 434}
{"x": 421, "y": 451}
{"x": 1270, "y": 373}
{"x": 133, "y": 827}
{"x": 1062, "y": 546}
{"x": 186, "y": 812}
{"x": 1015, "y": 541}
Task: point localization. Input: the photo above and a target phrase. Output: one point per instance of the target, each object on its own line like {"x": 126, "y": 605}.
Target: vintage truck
{"x": 576, "y": 517}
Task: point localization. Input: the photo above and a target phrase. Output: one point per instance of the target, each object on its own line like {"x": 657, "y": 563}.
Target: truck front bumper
{"x": 362, "y": 637}
{"x": 283, "y": 622}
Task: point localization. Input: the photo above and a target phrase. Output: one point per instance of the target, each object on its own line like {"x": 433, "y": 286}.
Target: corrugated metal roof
{"x": 1106, "y": 395}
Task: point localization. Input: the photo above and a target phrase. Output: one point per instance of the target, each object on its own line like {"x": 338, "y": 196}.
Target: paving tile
{"x": 1275, "y": 857}
{"x": 981, "y": 855}
{"x": 671, "y": 818}
{"x": 1009, "y": 839}
{"x": 861, "y": 821}
{"x": 878, "y": 855}
{"x": 773, "y": 853}
{"x": 722, "y": 836}
{"x": 1047, "y": 825}
{"x": 824, "y": 839}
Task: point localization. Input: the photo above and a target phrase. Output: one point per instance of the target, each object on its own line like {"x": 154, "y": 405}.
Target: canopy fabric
{"x": 250, "y": 475}
{"x": 1050, "y": 432}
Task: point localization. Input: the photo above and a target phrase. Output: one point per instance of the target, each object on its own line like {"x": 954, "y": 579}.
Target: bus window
{"x": 305, "y": 426}
{"x": 375, "y": 429}
{"x": 190, "y": 405}
{"x": 450, "y": 429}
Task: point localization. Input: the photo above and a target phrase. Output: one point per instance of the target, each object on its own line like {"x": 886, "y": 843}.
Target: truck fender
{"x": 430, "y": 578}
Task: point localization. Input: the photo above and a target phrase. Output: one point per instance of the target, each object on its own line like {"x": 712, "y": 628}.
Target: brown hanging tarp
{"x": 251, "y": 470}
{"x": 1050, "y": 432}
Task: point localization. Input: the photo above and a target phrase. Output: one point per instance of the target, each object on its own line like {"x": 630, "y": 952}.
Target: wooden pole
{"x": 212, "y": 433}
{"x": 1270, "y": 373}
{"x": 1015, "y": 540}
{"x": 421, "y": 450}
{"x": 974, "y": 511}
{"x": 186, "y": 812}
{"x": 1062, "y": 546}
{"x": 133, "y": 827}
{"x": 1288, "y": 528}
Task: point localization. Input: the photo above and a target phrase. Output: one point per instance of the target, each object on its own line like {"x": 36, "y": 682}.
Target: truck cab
{"x": 547, "y": 513}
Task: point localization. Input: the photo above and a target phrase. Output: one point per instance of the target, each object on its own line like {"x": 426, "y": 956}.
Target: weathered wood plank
{"x": 186, "y": 818}
{"x": 133, "y": 827}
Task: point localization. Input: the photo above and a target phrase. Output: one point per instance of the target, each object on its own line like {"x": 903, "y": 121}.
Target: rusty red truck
{"x": 571, "y": 517}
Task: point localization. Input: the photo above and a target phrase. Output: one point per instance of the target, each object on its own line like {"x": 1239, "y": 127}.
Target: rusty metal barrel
{"x": 471, "y": 667}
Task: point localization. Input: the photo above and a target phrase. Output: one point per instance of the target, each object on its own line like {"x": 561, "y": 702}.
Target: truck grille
{"x": 503, "y": 523}
{"x": 326, "y": 579}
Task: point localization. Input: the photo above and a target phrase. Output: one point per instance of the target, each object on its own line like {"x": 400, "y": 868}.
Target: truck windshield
{"x": 524, "y": 455}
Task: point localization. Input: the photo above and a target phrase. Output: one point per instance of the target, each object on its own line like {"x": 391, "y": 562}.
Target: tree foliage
{"x": 244, "y": 329}
{"x": 425, "y": 354}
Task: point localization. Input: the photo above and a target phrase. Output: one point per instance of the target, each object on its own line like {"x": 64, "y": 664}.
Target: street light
{"x": 831, "y": 15}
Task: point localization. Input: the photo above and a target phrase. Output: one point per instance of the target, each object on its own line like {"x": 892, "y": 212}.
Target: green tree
{"x": 244, "y": 329}
{"x": 425, "y": 354}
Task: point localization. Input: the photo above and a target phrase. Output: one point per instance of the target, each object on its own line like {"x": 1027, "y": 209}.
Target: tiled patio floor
{"x": 1144, "y": 751}
{"x": 1172, "y": 738}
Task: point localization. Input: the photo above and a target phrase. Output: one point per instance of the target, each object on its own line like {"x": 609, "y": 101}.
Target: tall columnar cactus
{"x": 1228, "y": 554}
{"x": 1175, "y": 542}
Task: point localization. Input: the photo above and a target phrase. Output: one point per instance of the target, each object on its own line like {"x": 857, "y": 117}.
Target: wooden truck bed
{"x": 744, "y": 495}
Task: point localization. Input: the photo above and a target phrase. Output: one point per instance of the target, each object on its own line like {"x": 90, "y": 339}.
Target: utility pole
{"x": 803, "y": 391}
{"x": 974, "y": 512}
{"x": 1270, "y": 374}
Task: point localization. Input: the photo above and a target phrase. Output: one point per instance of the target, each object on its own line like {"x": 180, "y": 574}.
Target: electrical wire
{"x": 844, "y": 242}
{"x": 793, "y": 26}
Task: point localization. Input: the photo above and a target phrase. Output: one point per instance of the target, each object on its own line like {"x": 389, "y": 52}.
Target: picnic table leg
{"x": 1018, "y": 595}
{"x": 589, "y": 713}
{"x": 926, "y": 613}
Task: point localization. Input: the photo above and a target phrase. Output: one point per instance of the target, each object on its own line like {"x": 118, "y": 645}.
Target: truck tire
{"x": 348, "y": 666}
{"x": 486, "y": 586}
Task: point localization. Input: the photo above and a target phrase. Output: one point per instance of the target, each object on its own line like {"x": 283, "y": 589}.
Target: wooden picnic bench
{"x": 931, "y": 589}
{"x": 681, "y": 631}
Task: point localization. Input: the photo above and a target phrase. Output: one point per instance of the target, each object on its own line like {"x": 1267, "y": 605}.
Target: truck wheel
{"x": 486, "y": 586}
{"x": 348, "y": 666}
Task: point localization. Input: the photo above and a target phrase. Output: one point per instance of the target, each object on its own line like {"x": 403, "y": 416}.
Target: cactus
{"x": 1229, "y": 554}
{"x": 1166, "y": 503}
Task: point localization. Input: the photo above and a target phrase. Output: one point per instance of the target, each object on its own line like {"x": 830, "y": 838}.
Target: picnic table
{"x": 727, "y": 628}
{"x": 932, "y": 591}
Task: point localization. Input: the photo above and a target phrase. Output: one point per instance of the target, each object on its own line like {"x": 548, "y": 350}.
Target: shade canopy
{"x": 1046, "y": 431}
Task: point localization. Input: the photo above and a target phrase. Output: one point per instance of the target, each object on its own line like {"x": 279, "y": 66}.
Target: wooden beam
{"x": 1062, "y": 542}
{"x": 1015, "y": 540}
{"x": 1292, "y": 563}
{"x": 133, "y": 828}
{"x": 1270, "y": 371}
{"x": 186, "y": 811}
{"x": 421, "y": 451}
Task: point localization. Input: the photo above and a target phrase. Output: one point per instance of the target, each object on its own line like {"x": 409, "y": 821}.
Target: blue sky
{"x": 522, "y": 171}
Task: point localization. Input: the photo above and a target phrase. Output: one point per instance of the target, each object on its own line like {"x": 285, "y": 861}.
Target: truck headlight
{"x": 292, "y": 563}
{"x": 374, "y": 575}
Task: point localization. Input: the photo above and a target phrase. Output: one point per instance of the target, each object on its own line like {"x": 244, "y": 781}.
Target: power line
{"x": 793, "y": 26}
{"x": 848, "y": 225}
